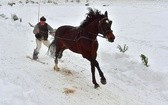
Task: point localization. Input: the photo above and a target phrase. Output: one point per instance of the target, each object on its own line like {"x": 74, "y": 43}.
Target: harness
{"x": 79, "y": 36}
{"x": 81, "y": 30}
{"x": 102, "y": 29}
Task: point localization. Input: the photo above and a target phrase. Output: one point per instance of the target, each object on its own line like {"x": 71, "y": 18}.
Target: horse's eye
{"x": 107, "y": 21}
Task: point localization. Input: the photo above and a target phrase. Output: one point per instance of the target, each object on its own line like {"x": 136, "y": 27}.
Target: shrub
{"x": 15, "y": 17}
{"x": 124, "y": 49}
{"x": 144, "y": 60}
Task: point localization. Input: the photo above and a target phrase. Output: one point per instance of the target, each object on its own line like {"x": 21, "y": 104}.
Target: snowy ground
{"x": 142, "y": 26}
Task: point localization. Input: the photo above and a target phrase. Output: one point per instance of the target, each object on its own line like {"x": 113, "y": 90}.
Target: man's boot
{"x": 35, "y": 54}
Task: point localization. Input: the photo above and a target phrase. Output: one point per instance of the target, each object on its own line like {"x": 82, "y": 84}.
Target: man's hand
{"x": 38, "y": 31}
{"x": 38, "y": 36}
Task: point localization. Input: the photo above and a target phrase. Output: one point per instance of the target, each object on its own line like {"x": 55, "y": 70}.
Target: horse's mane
{"x": 91, "y": 16}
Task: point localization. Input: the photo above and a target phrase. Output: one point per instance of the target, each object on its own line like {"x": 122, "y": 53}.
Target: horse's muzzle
{"x": 111, "y": 40}
{"x": 110, "y": 37}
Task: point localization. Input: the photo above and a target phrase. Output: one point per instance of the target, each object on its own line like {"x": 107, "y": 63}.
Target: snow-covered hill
{"x": 142, "y": 26}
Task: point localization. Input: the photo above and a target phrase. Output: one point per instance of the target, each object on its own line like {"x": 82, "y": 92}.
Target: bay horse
{"x": 83, "y": 40}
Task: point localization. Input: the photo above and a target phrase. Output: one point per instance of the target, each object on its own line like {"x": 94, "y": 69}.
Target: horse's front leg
{"x": 103, "y": 79}
{"x": 93, "y": 75}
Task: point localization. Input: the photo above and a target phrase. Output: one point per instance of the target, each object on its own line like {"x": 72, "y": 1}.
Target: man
{"x": 41, "y": 31}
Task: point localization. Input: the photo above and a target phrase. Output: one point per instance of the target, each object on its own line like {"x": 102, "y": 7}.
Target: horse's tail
{"x": 52, "y": 49}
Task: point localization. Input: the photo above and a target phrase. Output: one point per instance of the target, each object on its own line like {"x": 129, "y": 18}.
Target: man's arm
{"x": 36, "y": 29}
{"x": 52, "y": 32}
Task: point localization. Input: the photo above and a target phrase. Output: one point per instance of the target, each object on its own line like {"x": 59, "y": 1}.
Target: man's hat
{"x": 42, "y": 18}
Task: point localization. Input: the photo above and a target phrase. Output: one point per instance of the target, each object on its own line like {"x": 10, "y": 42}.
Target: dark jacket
{"x": 43, "y": 30}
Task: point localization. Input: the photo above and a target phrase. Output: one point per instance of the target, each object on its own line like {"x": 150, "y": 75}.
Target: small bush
{"x": 68, "y": 91}
{"x": 11, "y": 3}
{"x": 14, "y": 17}
{"x": 144, "y": 60}
{"x": 2, "y": 15}
{"x": 124, "y": 49}
{"x": 87, "y": 4}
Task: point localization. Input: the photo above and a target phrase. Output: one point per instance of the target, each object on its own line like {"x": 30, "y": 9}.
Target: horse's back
{"x": 67, "y": 31}
{"x": 66, "y": 36}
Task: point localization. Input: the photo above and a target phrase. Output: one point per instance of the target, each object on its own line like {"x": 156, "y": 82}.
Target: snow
{"x": 141, "y": 25}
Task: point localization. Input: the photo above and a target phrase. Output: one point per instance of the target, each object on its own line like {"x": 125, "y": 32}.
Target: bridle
{"x": 101, "y": 29}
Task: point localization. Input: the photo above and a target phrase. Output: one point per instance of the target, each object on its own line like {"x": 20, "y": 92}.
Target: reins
{"x": 94, "y": 34}
{"x": 69, "y": 39}
{"x": 80, "y": 37}
{"x": 101, "y": 36}
{"x": 76, "y": 39}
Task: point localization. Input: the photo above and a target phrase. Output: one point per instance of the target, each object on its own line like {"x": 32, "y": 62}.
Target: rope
{"x": 76, "y": 39}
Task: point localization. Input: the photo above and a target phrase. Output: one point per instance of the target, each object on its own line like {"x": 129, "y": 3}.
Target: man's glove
{"x": 38, "y": 36}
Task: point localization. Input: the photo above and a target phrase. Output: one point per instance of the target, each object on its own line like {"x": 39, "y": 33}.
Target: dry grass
{"x": 68, "y": 91}
{"x": 66, "y": 72}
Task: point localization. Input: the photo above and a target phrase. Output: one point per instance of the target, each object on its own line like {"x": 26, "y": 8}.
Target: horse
{"x": 83, "y": 40}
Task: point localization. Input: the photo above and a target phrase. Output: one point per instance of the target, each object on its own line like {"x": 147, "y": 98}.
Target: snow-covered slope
{"x": 142, "y": 26}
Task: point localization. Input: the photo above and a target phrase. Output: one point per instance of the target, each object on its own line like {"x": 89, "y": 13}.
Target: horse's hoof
{"x": 56, "y": 68}
{"x": 96, "y": 86}
{"x": 103, "y": 81}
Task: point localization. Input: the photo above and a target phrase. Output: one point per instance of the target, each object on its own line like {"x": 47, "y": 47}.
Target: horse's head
{"x": 105, "y": 28}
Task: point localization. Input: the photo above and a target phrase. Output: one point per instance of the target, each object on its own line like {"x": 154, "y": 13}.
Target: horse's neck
{"x": 93, "y": 27}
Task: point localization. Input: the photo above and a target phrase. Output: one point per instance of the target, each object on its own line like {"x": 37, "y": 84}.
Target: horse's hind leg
{"x": 56, "y": 64}
{"x": 60, "y": 53}
{"x": 56, "y": 60}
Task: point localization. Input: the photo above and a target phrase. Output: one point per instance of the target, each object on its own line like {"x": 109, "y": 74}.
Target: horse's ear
{"x": 106, "y": 14}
